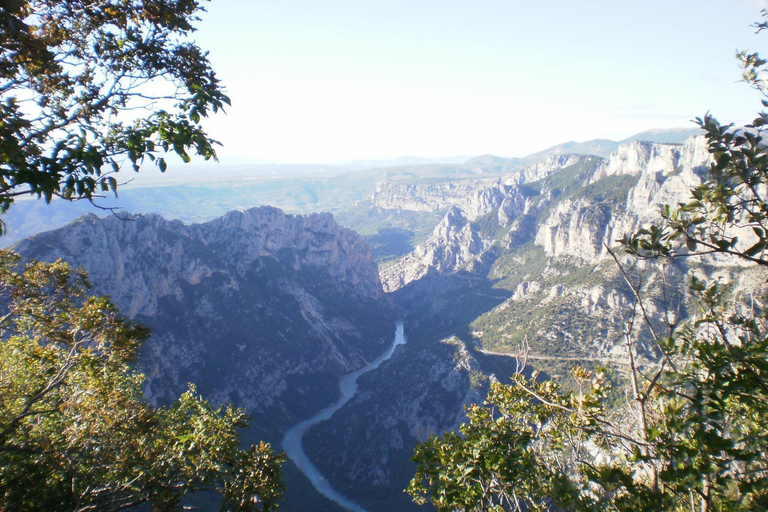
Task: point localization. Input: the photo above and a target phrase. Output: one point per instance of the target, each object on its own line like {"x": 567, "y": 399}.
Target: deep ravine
{"x": 292, "y": 441}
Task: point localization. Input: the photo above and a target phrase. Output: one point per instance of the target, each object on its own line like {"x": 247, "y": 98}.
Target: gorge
{"x": 268, "y": 310}
{"x": 380, "y": 256}
{"x": 292, "y": 441}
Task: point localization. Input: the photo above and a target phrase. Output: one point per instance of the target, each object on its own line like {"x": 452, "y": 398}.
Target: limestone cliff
{"x": 664, "y": 174}
{"x": 456, "y": 240}
{"x": 257, "y": 307}
{"x": 453, "y": 243}
{"x": 474, "y": 198}
{"x": 573, "y": 204}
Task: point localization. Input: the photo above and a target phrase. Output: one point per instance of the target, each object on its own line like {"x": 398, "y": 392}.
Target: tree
{"x": 88, "y": 87}
{"x": 694, "y": 436}
{"x": 75, "y": 430}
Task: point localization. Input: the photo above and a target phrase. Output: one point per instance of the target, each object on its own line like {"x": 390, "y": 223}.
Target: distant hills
{"x": 195, "y": 194}
{"x": 240, "y": 169}
{"x": 597, "y": 147}
{"x": 664, "y": 136}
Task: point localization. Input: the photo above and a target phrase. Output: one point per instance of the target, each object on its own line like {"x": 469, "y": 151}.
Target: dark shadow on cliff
{"x": 390, "y": 243}
{"x": 440, "y": 305}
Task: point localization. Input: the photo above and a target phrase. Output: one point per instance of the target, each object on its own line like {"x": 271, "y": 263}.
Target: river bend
{"x": 292, "y": 442}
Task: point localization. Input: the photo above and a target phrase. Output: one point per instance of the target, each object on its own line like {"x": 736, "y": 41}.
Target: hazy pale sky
{"x": 342, "y": 80}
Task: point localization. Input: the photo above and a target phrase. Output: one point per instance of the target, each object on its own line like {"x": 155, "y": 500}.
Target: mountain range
{"x": 258, "y": 308}
{"x": 268, "y": 309}
{"x": 294, "y": 188}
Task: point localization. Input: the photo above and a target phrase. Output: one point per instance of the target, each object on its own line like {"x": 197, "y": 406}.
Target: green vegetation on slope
{"x": 75, "y": 430}
{"x": 691, "y": 434}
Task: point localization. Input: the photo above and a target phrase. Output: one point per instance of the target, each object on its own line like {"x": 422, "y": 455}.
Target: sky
{"x": 333, "y": 81}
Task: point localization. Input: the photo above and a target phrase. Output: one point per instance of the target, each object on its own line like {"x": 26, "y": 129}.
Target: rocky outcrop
{"x": 257, "y": 307}
{"x": 548, "y": 166}
{"x": 456, "y": 241}
{"x": 453, "y": 243}
{"x": 664, "y": 174}
{"x": 474, "y": 198}
{"x": 640, "y": 157}
{"x": 574, "y": 227}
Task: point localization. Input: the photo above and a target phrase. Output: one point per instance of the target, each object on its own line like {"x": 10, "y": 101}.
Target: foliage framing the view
{"x": 694, "y": 433}
{"x": 69, "y": 70}
{"x": 75, "y": 430}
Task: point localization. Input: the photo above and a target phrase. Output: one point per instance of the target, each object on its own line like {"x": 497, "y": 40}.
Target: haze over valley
{"x": 267, "y": 309}
{"x": 383, "y": 256}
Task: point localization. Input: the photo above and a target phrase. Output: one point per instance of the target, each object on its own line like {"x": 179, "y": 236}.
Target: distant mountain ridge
{"x": 596, "y": 147}
{"x": 295, "y": 188}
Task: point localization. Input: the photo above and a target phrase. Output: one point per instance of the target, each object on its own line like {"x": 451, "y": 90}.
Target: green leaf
{"x": 756, "y": 249}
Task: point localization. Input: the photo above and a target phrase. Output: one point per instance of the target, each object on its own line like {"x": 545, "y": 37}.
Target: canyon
{"x": 484, "y": 260}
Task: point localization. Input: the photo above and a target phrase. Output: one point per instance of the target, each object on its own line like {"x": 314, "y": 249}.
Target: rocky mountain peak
{"x": 452, "y": 217}
{"x": 257, "y": 307}
{"x": 622, "y": 192}
{"x": 453, "y": 243}
{"x": 549, "y": 165}
{"x": 638, "y": 157}
{"x": 313, "y": 240}
{"x": 639, "y": 177}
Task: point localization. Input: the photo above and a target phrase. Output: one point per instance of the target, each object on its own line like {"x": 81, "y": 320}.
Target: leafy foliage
{"x": 501, "y": 458}
{"x": 728, "y": 213}
{"x": 69, "y": 69}
{"x": 75, "y": 431}
{"x": 692, "y": 436}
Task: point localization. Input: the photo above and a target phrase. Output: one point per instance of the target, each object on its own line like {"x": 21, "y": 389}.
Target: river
{"x": 292, "y": 445}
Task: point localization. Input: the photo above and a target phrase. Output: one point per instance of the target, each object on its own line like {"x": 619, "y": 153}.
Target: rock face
{"x": 456, "y": 241}
{"x": 258, "y": 308}
{"x": 657, "y": 174}
{"x": 572, "y": 203}
{"x": 638, "y": 157}
{"x": 473, "y": 198}
{"x": 453, "y": 243}
{"x": 516, "y": 261}
{"x": 541, "y": 170}
{"x": 574, "y": 227}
